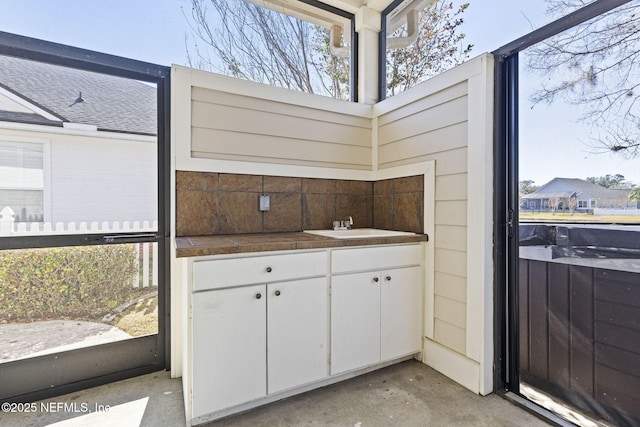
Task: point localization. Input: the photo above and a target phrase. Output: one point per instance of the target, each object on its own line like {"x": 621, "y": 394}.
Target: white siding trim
{"x": 429, "y": 262}
{"x": 274, "y": 169}
{"x": 55, "y": 130}
{"x": 181, "y": 117}
{"x": 278, "y": 94}
{"x": 480, "y": 224}
{"x": 22, "y": 105}
{"x": 375, "y": 143}
{"x": 462, "y": 370}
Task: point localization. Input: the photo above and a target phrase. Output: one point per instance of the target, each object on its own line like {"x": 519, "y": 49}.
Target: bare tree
{"x": 595, "y": 65}
{"x": 572, "y": 204}
{"x": 244, "y": 40}
{"x": 438, "y": 47}
{"x": 247, "y": 41}
{"x": 553, "y": 203}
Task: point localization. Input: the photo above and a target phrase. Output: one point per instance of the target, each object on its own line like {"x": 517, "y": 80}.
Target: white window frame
{"x": 46, "y": 169}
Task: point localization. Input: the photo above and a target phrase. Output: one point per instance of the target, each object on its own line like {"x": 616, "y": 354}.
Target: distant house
{"x": 561, "y": 193}
{"x": 76, "y": 145}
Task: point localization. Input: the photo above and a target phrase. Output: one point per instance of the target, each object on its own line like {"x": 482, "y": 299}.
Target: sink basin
{"x": 359, "y": 233}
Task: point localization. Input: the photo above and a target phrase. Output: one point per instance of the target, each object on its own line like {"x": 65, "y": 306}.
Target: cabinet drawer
{"x": 375, "y": 258}
{"x": 212, "y": 274}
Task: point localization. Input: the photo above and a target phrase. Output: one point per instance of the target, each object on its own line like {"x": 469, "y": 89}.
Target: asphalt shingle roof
{"x": 594, "y": 191}
{"x": 111, "y": 103}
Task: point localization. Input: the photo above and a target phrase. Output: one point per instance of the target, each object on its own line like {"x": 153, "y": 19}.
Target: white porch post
{"x": 368, "y": 28}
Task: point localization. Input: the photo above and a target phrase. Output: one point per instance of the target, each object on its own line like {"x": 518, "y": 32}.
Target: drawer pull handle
{"x": 277, "y": 293}
{"x": 269, "y": 269}
{"x": 258, "y": 296}
{"x": 388, "y": 278}
{"x": 375, "y": 279}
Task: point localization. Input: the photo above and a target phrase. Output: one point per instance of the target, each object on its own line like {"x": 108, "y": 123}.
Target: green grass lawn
{"x": 140, "y": 319}
{"x": 578, "y": 217}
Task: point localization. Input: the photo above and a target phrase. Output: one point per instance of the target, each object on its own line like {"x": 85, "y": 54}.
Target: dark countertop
{"x": 264, "y": 242}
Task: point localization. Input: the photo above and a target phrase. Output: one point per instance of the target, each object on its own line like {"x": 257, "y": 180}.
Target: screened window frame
{"x": 140, "y": 355}
{"x": 506, "y": 206}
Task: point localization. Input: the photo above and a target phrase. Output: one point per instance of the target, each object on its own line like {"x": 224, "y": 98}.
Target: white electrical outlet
{"x": 265, "y": 202}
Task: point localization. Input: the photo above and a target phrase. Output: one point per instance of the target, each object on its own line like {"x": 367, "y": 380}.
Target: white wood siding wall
{"x": 449, "y": 119}
{"x": 103, "y": 180}
{"x": 85, "y": 173}
{"x": 245, "y": 122}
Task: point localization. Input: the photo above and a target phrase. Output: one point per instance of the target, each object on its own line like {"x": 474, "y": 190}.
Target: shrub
{"x": 83, "y": 282}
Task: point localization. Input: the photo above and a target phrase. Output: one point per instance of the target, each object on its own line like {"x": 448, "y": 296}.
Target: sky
{"x": 552, "y": 142}
{"x": 155, "y": 30}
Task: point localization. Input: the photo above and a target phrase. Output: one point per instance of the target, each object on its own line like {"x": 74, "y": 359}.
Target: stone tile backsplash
{"x": 219, "y": 203}
{"x": 398, "y": 204}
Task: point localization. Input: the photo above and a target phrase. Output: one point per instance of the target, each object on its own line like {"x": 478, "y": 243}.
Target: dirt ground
{"x": 20, "y": 340}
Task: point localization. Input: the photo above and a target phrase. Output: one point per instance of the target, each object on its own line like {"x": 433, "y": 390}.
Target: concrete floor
{"x": 153, "y": 400}
{"x": 408, "y": 394}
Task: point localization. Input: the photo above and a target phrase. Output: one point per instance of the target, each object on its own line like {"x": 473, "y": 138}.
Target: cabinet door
{"x": 229, "y": 348}
{"x": 297, "y": 333}
{"x": 401, "y": 312}
{"x": 355, "y": 321}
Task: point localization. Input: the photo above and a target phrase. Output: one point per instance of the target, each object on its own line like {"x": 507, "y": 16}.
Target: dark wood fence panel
{"x": 581, "y": 306}
{"x": 623, "y": 338}
{"x": 538, "y": 319}
{"x": 523, "y": 314}
{"x": 617, "y": 336}
{"x": 618, "y": 392}
{"x": 559, "y": 325}
{"x": 580, "y": 336}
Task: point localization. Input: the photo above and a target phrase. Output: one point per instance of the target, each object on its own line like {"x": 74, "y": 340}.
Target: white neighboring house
{"x": 76, "y": 146}
{"x": 587, "y": 196}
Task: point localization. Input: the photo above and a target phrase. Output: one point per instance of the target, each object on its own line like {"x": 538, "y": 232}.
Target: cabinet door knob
{"x": 277, "y": 293}
{"x": 258, "y": 296}
{"x": 375, "y": 279}
{"x": 388, "y": 278}
{"x": 269, "y": 269}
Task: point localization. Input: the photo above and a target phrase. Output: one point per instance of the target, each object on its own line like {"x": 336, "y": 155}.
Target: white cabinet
{"x": 375, "y": 315}
{"x": 400, "y": 312}
{"x": 297, "y": 333}
{"x": 263, "y": 326}
{"x": 229, "y": 348}
{"x": 355, "y": 321}
{"x": 254, "y": 340}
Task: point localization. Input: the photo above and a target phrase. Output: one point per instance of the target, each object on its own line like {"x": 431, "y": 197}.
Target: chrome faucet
{"x": 344, "y": 224}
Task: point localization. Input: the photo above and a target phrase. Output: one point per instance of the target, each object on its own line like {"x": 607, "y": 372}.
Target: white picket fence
{"x": 627, "y": 211}
{"x": 146, "y": 253}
